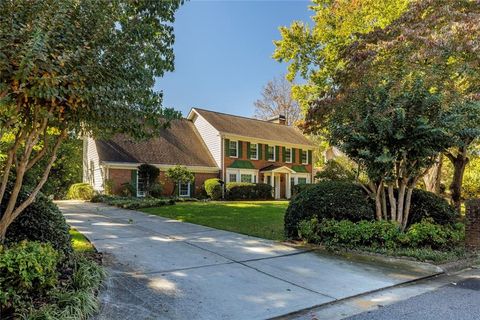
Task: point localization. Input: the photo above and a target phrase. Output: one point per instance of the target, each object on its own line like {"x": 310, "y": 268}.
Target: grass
{"x": 262, "y": 219}
{"x": 80, "y": 243}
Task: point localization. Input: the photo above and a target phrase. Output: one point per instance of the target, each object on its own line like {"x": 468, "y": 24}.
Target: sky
{"x": 223, "y": 53}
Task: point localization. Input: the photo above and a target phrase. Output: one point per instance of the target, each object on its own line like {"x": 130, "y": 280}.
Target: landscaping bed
{"x": 132, "y": 202}
{"x": 262, "y": 219}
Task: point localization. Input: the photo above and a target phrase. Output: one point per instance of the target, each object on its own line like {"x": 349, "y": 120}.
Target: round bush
{"x": 41, "y": 221}
{"x": 429, "y": 205}
{"x": 328, "y": 200}
{"x": 155, "y": 190}
{"x": 213, "y": 188}
{"x": 80, "y": 191}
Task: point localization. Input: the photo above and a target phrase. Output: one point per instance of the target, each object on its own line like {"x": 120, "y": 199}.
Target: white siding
{"x": 92, "y": 172}
{"x": 211, "y": 137}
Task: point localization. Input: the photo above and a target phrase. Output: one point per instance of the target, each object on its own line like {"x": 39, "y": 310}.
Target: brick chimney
{"x": 280, "y": 119}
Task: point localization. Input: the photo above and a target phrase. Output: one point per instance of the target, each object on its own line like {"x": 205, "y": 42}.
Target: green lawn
{"x": 262, "y": 219}
{"x": 79, "y": 242}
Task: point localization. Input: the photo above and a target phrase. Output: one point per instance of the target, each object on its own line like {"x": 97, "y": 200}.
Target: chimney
{"x": 280, "y": 119}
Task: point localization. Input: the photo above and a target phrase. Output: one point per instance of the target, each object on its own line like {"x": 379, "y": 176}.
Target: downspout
{"x": 222, "y": 157}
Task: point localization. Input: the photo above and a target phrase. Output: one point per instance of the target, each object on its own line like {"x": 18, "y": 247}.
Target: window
{"x": 232, "y": 177}
{"x": 304, "y": 157}
{"x": 140, "y": 186}
{"x": 271, "y": 153}
{"x": 246, "y": 178}
{"x": 233, "y": 149}
{"x": 302, "y": 180}
{"x": 254, "y": 151}
{"x": 288, "y": 155}
{"x": 292, "y": 183}
{"x": 184, "y": 189}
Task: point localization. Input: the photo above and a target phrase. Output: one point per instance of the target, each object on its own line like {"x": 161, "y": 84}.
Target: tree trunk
{"x": 378, "y": 201}
{"x": 384, "y": 204}
{"x": 406, "y": 212}
{"x": 401, "y": 201}
{"x": 433, "y": 177}
{"x": 459, "y": 163}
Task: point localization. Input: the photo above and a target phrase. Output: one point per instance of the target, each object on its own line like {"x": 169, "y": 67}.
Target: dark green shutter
{"x": 300, "y": 156}
{"x": 192, "y": 189}
{"x": 227, "y": 148}
{"x": 309, "y": 156}
{"x": 266, "y": 152}
{"x": 260, "y": 149}
{"x": 294, "y": 152}
{"x": 133, "y": 182}
{"x": 249, "y": 155}
{"x": 277, "y": 153}
{"x": 240, "y": 150}
{"x": 284, "y": 158}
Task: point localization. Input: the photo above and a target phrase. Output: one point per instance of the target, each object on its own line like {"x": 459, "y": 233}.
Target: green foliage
{"x": 248, "y": 191}
{"x": 337, "y": 170}
{"x": 41, "y": 221}
{"x": 108, "y": 185}
{"x": 27, "y": 270}
{"x": 427, "y": 205}
{"x": 133, "y": 203}
{"x": 80, "y": 191}
{"x": 179, "y": 174}
{"x": 80, "y": 243}
{"x": 296, "y": 189}
{"x": 381, "y": 234}
{"x": 149, "y": 174}
{"x": 471, "y": 180}
{"x": 128, "y": 190}
{"x": 155, "y": 190}
{"x": 328, "y": 200}
{"x": 214, "y": 188}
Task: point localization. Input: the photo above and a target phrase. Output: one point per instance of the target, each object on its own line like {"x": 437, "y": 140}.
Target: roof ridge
{"x": 244, "y": 117}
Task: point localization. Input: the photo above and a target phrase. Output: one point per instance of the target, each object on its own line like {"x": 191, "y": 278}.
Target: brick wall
{"x": 119, "y": 176}
{"x": 200, "y": 178}
{"x": 472, "y": 227}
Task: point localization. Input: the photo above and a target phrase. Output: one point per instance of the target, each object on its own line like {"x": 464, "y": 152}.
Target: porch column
{"x": 272, "y": 183}
{"x": 288, "y": 192}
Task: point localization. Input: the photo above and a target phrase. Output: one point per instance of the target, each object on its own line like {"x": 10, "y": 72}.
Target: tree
{"x": 395, "y": 136}
{"x": 277, "y": 100}
{"x": 179, "y": 174}
{"x": 82, "y": 66}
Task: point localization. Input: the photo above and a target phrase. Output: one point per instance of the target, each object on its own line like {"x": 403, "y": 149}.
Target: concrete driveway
{"x": 166, "y": 269}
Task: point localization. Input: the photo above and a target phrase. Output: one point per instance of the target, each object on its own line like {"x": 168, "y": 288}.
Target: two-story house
{"x": 210, "y": 144}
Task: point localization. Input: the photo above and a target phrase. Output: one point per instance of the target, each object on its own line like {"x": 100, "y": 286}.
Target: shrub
{"x": 80, "y": 191}
{"x": 336, "y": 170}
{"x": 248, "y": 191}
{"x": 128, "y": 190}
{"x": 108, "y": 187}
{"x": 155, "y": 190}
{"x": 214, "y": 188}
{"x": 427, "y": 205}
{"x": 41, "y": 221}
{"x": 137, "y": 203}
{"x": 301, "y": 187}
{"x": 328, "y": 200}
{"x": 308, "y": 231}
{"x": 434, "y": 236}
{"x": 27, "y": 270}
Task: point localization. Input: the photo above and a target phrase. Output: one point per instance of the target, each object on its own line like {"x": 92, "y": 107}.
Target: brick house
{"x": 210, "y": 144}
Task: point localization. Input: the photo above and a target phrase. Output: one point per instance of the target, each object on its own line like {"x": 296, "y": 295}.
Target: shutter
{"x": 294, "y": 153}
{"x": 277, "y": 153}
{"x": 227, "y": 148}
{"x": 192, "y": 189}
{"x": 240, "y": 150}
{"x": 266, "y": 152}
{"x": 249, "y": 155}
{"x": 309, "y": 156}
{"x": 284, "y": 154}
{"x": 133, "y": 181}
{"x": 300, "y": 158}
{"x": 260, "y": 151}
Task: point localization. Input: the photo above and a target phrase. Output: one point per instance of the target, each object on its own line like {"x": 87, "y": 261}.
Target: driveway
{"x": 165, "y": 269}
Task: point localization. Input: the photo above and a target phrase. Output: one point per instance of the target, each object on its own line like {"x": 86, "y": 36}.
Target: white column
{"x": 272, "y": 182}
{"x": 287, "y": 186}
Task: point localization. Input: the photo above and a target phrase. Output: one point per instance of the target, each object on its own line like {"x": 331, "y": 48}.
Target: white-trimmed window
{"x": 232, "y": 177}
{"x": 304, "y": 156}
{"x": 184, "y": 189}
{"x": 254, "y": 151}
{"x": 246, "y": 178}
{"x": 140, "y": 186}
{"x": 233, "y": 149}
{"x": 288, "y": 155}
{"x": 302, "y": 180}
{"x": 271, "y": 153}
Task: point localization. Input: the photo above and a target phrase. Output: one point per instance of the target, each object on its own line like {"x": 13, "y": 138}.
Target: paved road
{"x": 456, "y": 301}
{"x": 166, "y": 269}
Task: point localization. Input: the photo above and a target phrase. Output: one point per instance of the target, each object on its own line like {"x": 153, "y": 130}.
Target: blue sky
{"x": 223, "y": 53}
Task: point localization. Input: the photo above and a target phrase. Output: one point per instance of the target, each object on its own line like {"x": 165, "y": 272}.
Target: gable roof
{"x": 252, "y": 128}
{"x": 178, "y": 144}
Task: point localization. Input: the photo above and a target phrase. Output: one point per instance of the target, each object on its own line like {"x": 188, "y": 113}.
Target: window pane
{"x": 288, "y": 155}
{"x": 246, "y": 178}
{"x": 184, "y": 189}
{"x": 253, "y": 151}
{"x": 304, "y": 157}
{"x": 232, "y": 177}
{"x": 233, "y": 149}
{"x": 271, "y": 153}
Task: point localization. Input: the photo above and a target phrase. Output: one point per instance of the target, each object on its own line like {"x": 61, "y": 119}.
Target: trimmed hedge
{"x": 80, "y": 191}
{"x": 429, "y": 205}
{"x": 248, "y": 191}
{"x": 328, "y": 200}
{"x": 213, "y": 188}
{"x": 41, "y": 221}
{"x": 301, "y": 187}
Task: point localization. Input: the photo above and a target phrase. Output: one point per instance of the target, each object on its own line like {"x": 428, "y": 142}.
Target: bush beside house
{"x": 214, "y": 188}
{"x": 248, "y": 191}
{"x": 80, "y": 191}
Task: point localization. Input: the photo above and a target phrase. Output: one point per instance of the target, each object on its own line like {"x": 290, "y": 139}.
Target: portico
{"x": 279, "y": 178}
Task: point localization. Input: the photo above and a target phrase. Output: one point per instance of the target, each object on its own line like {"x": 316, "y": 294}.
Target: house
{"x": 210, "y": 144}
